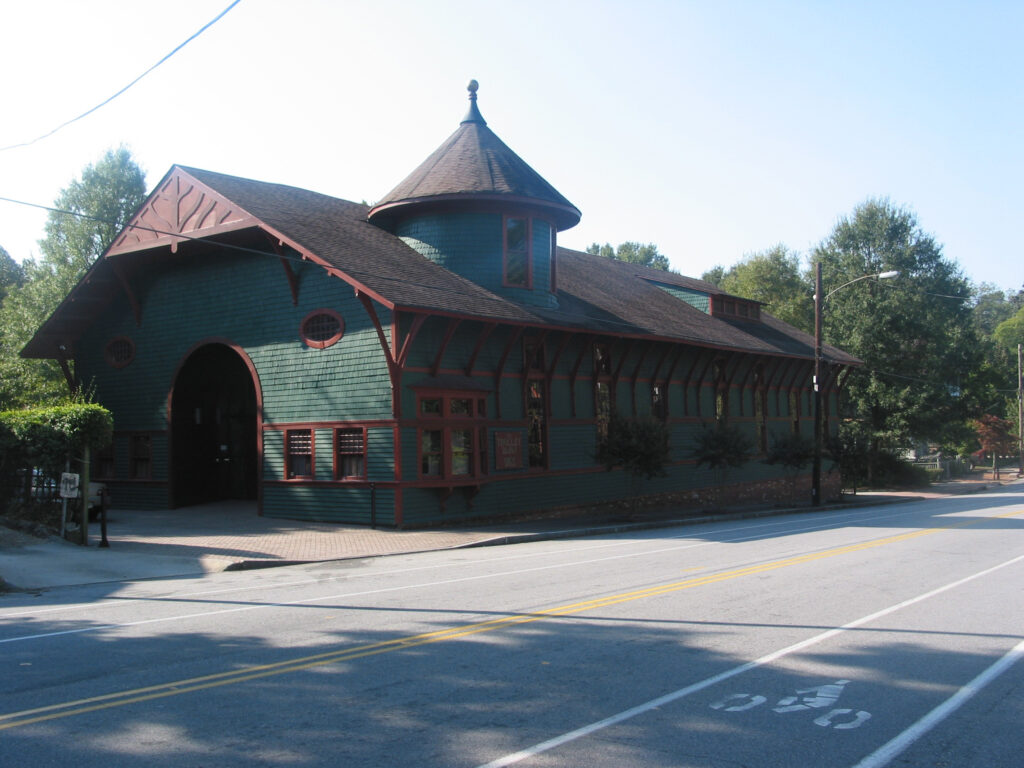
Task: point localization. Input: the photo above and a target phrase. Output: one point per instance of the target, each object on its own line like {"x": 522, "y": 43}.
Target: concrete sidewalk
{"x": 205, "y": 539}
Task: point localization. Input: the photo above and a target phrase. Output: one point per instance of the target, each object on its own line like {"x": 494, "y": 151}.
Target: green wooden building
{"x": 434, "y": 357}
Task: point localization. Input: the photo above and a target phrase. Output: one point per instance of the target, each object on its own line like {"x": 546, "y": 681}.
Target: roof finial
{"x": 473, "y": 115}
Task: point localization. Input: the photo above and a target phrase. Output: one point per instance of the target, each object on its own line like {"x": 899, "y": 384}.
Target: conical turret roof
{"x": 474, "y": 165}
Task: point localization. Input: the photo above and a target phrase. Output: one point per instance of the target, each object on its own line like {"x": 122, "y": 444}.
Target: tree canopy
{"x": 635, "y": 253}
{"x": 772, "y": 277}
{"x": 914, "y": 334}
{"x": 89, "y": 213}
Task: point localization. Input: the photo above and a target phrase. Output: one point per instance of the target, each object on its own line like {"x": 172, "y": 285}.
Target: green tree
{"x": 12, "y": 275}
{"x": 773, "y": 278}
{"x": 640, "y": 445}
{"x": 918, "y": 346}
{"x": 632, "y": 252}
{"x": 92, "y": 210}
{"x": 1009, "y": 333}
{"x": 722, "y": 447}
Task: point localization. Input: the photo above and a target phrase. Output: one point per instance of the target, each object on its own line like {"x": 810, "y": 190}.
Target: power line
{"x": 177, "y": 235}
{"x": 106, "y": 101}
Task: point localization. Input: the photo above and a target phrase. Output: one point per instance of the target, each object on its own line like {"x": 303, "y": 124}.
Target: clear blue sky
{"x": 713, "y": 129}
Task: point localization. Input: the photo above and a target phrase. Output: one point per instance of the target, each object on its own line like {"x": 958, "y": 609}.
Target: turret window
{"x": 518, "y": 267}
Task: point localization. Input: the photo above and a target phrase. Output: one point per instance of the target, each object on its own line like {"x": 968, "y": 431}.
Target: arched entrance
{"x": 214, "y": 420}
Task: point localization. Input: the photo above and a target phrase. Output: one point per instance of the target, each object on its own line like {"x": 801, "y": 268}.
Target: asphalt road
{"x": 873, "y": 637}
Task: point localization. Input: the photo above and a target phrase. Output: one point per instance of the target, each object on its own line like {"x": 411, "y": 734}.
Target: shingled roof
{"x": 474, "y": 164}
{"x": 595, "y": 294}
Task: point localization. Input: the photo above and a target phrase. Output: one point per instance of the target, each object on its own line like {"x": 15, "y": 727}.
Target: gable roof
{"x": 595, "y": 294}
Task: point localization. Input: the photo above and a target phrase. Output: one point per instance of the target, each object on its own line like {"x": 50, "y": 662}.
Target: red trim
{"x": 259, "y": 415}
{"x": 324, "y": 344}
{"x": 109, "y": 357}
{"x": 337, "y": 454}
{"x": 528, "y": 277}
{"x": 280, "y": 426}
{"x": 485, "y": 334}
{"x": 288, "y": 455}
{"x": 445, "y": 422}
{"x": 500, "y": 368}
{"x": 453, "y": 325}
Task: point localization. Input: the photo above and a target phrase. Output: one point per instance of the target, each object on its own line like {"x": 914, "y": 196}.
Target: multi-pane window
{"x": 322, "y": 328}
{"x": 299, "y": 453}
{"x": 140, "y": 457}
{"x": 517, "y": 252}
{"x": 350, "y": 453}
{"x": 454, "y": 446}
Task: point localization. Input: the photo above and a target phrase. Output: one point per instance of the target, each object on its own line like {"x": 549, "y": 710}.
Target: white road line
{"x": 383, "y": 590}
{"x": 887, "y": 752}
{"x": 586, "y": 730}
{"x": 830, "y": 523}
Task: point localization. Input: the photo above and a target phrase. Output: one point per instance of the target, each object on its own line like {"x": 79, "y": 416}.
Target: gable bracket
{"x": 453, "y": 325}
{"x": 485, "y": 334}
{"x": 127, "y": 287}
{"x": 289, "y": 273}
{"x": 500, "y": 369}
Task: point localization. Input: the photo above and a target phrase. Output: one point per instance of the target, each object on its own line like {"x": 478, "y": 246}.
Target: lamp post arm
{"x": 877, "y": 276}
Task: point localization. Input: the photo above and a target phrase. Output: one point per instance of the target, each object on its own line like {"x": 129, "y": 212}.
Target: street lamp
{"x": 819, "y": 303}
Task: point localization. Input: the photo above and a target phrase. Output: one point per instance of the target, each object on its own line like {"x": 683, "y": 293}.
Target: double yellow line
{"x": 189, "y": 685}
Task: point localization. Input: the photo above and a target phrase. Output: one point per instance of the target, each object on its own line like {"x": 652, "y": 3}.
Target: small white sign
{"x": 68, "y": 485}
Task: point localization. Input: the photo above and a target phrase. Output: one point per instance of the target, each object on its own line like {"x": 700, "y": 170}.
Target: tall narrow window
{"x": 659, "y": 407}
{"x": 140, "y": 461}
{"x": 761, "y": 418}
{"x": 517, "y": 252}
{"x": 537, "y": 422}
{"x": 431, "y": 452}
{"x": 794, "y": 411}
{"x": 350, "y": 455}
{"x": 721, "y": 393}
{"x": 299, "y": 459}
{"x": 462, "y": 452}
{"x": 602, "y": 408}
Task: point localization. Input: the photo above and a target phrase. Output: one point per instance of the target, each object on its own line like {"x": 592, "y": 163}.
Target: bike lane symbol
{"x": 817, "y": 697}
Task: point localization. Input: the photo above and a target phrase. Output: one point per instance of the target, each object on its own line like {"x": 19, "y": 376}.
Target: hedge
{"x": 43, "y": 438}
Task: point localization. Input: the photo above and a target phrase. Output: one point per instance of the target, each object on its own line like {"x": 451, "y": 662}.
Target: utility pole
{"x": 1020, "y": 415}
{"x": 816, "y": 465}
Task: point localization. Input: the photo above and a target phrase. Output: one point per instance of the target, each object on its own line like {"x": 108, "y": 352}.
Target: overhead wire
{"x": 109, "y": 99}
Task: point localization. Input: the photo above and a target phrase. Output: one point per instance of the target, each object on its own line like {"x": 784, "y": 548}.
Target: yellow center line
{"x": 178, "y": 687}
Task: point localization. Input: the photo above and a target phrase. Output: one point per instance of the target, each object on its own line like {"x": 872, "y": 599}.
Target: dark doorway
{"x": 213, "y": 424}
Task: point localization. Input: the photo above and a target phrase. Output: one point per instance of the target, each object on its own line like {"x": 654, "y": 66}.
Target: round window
{"x": 120, "y": 351}
{"x": 322, "y": 328}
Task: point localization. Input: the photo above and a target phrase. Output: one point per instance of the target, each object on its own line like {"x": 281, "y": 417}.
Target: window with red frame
{"x": 517, "y": 252}
{"x": 322, "y": 328}
{"x": 350, "y": 453}
{"x": 299, "y": 453}
{"x": 452, "y": 447}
